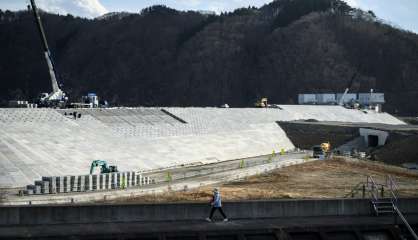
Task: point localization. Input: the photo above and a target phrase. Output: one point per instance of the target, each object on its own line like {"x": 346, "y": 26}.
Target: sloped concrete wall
{"x": 41, "y": 143}
{"x": 44, "y": 142}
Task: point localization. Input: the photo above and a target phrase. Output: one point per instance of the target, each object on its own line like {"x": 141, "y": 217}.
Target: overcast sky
{"x": 403, "y": 13}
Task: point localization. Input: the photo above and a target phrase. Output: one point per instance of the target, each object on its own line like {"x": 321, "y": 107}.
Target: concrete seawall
{"x": 79, "y": 214}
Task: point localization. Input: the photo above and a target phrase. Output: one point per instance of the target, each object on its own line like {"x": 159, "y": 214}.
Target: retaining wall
{"x": 79, "y": 214}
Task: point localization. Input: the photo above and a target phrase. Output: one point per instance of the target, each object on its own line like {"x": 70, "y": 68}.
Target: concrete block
{"x": 118, "y": 180}
{"x": 128, "y": 179}
{"x": 95, "y": 182}
{"x": 108, "y": 181}
{"x": 114, "y": 180}
{"x": 74, "y": 183}
{"x": 30, "y": 189}
{"x": 44, "y": 185}
{"x": 133, "y": 178}
{"x": 67, "y": 184}
{"x": 37, "y": 190}
{"x": 81, "y": 183}
{"x": 123, "y": 180}
{"x": 52, "y": 183}
{"x": 88, "y": 182}
{"x": 101, "y": 182}
{"x": 60, "y": 184}
{"x": 139, "y": 180}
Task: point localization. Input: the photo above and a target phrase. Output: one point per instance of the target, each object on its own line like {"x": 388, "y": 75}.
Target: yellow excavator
{"x": 323, "y": 149}
{"x": 262, "y": 103}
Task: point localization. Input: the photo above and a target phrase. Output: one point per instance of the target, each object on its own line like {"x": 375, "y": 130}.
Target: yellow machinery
{"x": 323, "y": 149}
{"x": 262, "y": 103}
{"x": 326, "y": 147}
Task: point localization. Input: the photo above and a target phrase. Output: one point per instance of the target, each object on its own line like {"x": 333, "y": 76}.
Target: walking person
{"x": 216, "y": 205}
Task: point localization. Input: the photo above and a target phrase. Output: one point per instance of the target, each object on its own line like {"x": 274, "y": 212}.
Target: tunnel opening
{"x": 373, "y": 140}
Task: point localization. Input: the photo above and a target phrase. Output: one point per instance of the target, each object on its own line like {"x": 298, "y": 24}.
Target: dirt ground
{"x": 319, "y": 179}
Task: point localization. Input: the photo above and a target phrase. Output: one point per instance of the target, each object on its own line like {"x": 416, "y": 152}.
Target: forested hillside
{"x": 165, "y": 57}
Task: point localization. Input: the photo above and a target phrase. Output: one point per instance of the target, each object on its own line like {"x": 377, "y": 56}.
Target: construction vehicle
{"x": 324, "y": 149}
{"x": 262, "y": 103}
{"x": 57, "y": 98}
{"x": 104, "y": 168}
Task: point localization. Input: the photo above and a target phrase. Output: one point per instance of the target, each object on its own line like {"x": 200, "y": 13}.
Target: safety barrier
{"x": 85, "y": 183}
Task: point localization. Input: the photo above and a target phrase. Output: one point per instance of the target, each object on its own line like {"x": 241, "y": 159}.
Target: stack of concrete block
{"x": 52, "y": 184}
{"x": 142, "y": 180}
{"x": 83, "y": 183}
{"x": 43, "y": 186}
{"x": 30, "y": 189}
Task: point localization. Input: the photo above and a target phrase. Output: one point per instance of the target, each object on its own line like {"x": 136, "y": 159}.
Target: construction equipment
{"x": 321, "y": 150}
{"x": 341, "y": 102}
{"x": 262, "y": 103}
{"x": 326, "y": 147}
{"x": 57, "y": 97}
{"x": 104, "y": 168}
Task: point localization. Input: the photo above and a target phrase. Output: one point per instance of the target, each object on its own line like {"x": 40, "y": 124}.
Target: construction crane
{"x": 104, "y": 168}
{"x": 341, "y": 102}
{"x": 57, "y": 97}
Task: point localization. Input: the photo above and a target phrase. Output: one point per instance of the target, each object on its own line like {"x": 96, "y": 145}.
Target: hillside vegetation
{"x": 161, "y": 56}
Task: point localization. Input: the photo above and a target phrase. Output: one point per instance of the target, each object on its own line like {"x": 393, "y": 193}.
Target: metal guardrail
{"x": 392, "y": 188}
{"x": 372, "y": 187}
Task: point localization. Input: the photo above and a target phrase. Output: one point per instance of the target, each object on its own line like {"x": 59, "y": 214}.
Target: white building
{"x": 325, "y": 98}
{"x": 307, "y": 99}
{"x": 371, "y": 98}
{"x": 348, "y": 98}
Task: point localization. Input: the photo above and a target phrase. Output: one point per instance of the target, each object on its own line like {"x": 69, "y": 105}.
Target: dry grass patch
{"x": 319, "y": 179}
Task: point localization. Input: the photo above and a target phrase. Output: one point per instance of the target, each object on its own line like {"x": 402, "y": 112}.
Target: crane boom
{"x": 341, "y": 102}
{"x": 57, "y": 93}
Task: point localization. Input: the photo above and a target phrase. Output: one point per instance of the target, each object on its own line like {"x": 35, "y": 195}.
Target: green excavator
{"x": 104, "y": 168}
